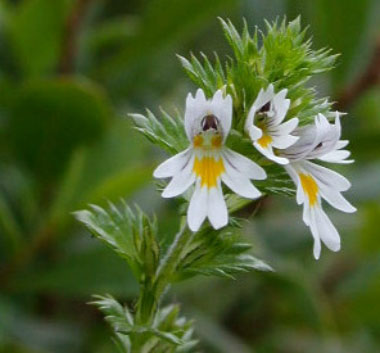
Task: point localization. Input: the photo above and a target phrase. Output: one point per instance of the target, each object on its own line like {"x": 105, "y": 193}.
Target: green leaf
{"x": 132, "y": 235}
{"x": 206, "y": 76}
{"x": 168, "y": 132}
{"x": 222, "y": 254}
{"x": 18, "y": 209}
{"x": 281, "y": 55}
{"x": 9, "y": 226}
{"x": 78, "y": 274}
{"x": 167, "y": 329}
{"x": 37, "y": 29}
{"x": 113, "y": 310}
{"x": 114, "y": 314}
{"x": 346, "y": 35}
{"x": 163, "y": 22}
{"x": 49, "y": 119}
{"x": 126, "y": 167}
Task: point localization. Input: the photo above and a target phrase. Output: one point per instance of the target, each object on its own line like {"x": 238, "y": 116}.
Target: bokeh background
{"x": 70, "y": 70}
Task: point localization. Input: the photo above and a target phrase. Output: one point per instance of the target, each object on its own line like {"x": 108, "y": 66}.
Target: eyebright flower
{"x": 314, "y": 182}
{"x": 265, "y": 124}
{"x": 207, "y": 162}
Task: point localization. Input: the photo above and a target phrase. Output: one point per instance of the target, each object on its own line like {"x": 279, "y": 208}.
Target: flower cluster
{"x": 207, "y": 162}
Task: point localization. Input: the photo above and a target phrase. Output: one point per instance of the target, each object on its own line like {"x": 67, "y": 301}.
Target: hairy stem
{"x": 153, "y": 289}
{"x": 172, "y": 259}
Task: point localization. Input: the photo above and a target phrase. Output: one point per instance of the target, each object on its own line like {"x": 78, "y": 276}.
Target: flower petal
{"x": 291, "y": 170}
{"x": 197, "y": 212}
{"x": 315, "y": 140}
{"x": 327, "y": 136}
{"x": 306, "y": 214}
{"x": 285, "y": 141}
{"x": 268, "y": 152}
{"x": 195, "y": 109}
{"x": 336, "y": 200}
{"x": 217, "y": 208}
{"x": 326, "y": 176}
{"x": 304, "y": 145}
{"x": 254, "y": 132}
{"x": 285, "y": 128}
{"x": 264, "y": 97}
{"x": 173, "y": 165}
{"x": 315, "y": 233}
{"x": 341, "y": 144}
{"x": 244, "y": 165}
{"x": 337, "y": 156}
{"x": 222, "y": 109}
{"x": 239, "y": 182}
{"x": 326, "y": 230}
{"x": 281, "y": 106}
{"x": 181, "y": 181}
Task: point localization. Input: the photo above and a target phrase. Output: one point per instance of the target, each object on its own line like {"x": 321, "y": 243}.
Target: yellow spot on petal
{"x": 216, "y": 141}
{"x": 264, "y": 141}
{"x": 208, "y": 169}
{"x": 310, "y": 188}
{"x": 198, "y": 141}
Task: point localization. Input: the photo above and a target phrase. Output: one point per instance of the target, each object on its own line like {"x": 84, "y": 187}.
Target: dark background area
{"x": 70, "y": 71}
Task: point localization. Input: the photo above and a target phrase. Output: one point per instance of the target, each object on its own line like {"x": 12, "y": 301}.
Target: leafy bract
{"x": 168, "y": 132}
{"x": 281, "y": 55}
{"x": 167, "y": 333}
{"x": 215, "y": 253}
{"x": 131, "y": 234}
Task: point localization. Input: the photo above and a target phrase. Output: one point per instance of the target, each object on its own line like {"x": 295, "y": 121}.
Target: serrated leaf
{"x": 112, "y": 310}
{"x": 284, "y": 58}
{"x": 168, "y": 132}
{"x": 125, "y": 231}
{"x": 222, "y": 254}
{"x": 167, "y": 326}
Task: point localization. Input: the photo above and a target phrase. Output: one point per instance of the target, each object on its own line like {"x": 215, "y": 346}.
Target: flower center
{"x": 310, "y": 187}
{"x": 208, "y": 169}
{"x": 264, "y": 140}
{"x": 264, "y": 109}
{"x": 210, "y": 136}
{"x": 210, "y": 122}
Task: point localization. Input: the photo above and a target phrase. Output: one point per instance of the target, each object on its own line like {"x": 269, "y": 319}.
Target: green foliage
{"x": 277, "y": 182}
{"x": 163, "y": 22}
{"x": 168, "y": 333}
{"x": 168, "y": 133}
{"x": 281, "y": 56}
{"x": 131, "y": 234}
{"x": 340, "y": 35}
{"x": 49, "y": 266}
{"x": 62, "y": 114}
{"x": 210, "y": 78}
{"x": 34, "y": 53}
{"x": 214, "y": 253}
{"x": 134, "y": 237}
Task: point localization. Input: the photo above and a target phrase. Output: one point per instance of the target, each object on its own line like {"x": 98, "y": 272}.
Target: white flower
{"x": 207, "y": 162}
{"x": 265, "y": 124}
{"x": 314, "y": 182}
{"x": 319, "y": 141}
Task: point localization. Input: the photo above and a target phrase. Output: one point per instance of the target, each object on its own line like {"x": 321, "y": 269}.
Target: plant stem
{"x": 152, "y": 289}
{"x": 172, "y": 259}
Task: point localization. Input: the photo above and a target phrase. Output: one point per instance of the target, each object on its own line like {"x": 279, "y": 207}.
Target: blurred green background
{"x": 70, "y": 71}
